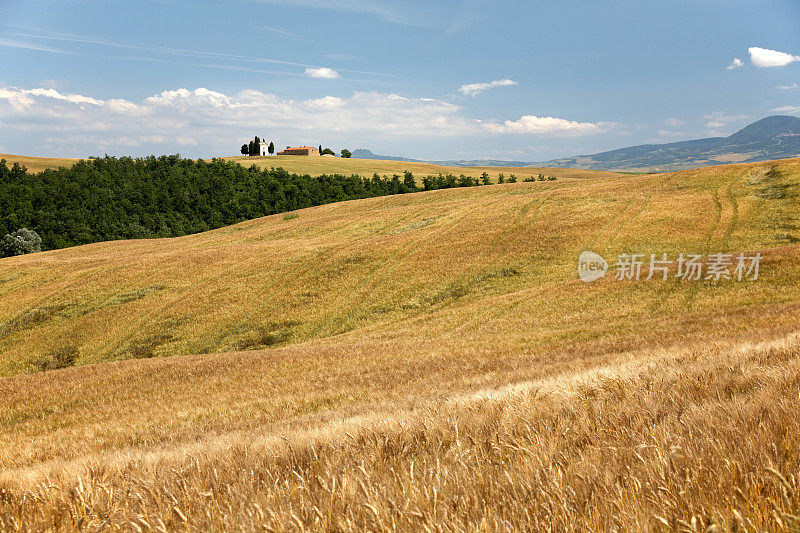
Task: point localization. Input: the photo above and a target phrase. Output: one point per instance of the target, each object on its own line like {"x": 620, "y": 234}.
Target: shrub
{"x": 145, "y": 348}
{"x": 62, "y": 357}
{"x": 22, "y": 241}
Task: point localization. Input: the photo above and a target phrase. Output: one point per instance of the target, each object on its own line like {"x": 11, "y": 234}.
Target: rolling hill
{"x": 770, "y": 138}
{"x": 316, "y": 166}
{"x": 366, "y": 167}
{"x": 363, "y": 153}
{"x": 38, "y": 164}
{"x": 773, "y": 137}
{"x": 407, "y": 361}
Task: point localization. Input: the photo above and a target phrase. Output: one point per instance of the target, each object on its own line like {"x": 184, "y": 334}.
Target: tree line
{"x": 111, "y": 198}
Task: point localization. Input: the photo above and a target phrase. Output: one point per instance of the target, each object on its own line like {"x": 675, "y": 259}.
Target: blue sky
{"x": 434, "y": 80}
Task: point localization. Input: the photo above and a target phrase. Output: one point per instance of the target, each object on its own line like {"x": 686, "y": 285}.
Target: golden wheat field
{"x": 38, "y": 164}
{"x": 337, "y": 165}
{"x": 424, "y": 362}
{"x": 366, "y": 167}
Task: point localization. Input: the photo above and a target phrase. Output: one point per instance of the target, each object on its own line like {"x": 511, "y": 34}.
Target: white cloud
{"x": 321, "y": 72}
{"x": 122, "y": 107}
{"x": 791, "y": 109}
{"x": 326, "y": 102}
{"x": 477, "y": 88}
{"x": 789, "y": 87}
{"x": 20, "y": 99}
{"x": 736, "y": 63}
{"x": 547, "y": 125}
{"x": 764, "y": 57}
{"x": 674, "y": 122}
{"x": 216, "y": 123}
{"x": 718, "y": 119}
{"x": 74, "y": 98}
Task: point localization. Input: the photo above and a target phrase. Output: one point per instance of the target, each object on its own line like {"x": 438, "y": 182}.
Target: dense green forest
{"x": 110, "y": 198}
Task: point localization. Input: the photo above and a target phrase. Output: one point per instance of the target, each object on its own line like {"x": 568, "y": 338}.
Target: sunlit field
{"x": 337, "y": 165}
{"x": 366, "y": 167}
{"x": 38, "y": 164}
{"x": 427, "y": 361}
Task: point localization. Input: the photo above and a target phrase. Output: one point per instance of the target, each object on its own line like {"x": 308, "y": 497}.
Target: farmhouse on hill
{"x": 300, "y": 150}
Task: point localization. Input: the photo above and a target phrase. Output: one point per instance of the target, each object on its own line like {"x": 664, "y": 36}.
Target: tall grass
{"x": 696, "y": 439}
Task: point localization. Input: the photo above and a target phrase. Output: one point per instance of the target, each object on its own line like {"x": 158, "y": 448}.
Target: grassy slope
{"x": 330, "y": 165}
{"x": 38, "y": 164}
{"x": 392, "y": 304}
{"x": 366, "y": 167}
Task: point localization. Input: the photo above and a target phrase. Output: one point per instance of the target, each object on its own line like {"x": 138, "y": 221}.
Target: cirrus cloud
{"x": 472, "y": 89}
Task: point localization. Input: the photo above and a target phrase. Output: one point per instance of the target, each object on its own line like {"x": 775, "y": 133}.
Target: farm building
{"x": 300, "y": 150}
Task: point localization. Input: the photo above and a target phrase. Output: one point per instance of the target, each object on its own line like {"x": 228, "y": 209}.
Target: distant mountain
{"x": 363, "y": 153}
{"x": 774, "y": 137}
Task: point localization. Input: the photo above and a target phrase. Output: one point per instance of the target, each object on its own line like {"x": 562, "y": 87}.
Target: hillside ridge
{"x": 773, "y": 137}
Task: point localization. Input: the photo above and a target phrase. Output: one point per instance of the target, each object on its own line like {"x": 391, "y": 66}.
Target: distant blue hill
{"x": 363, "y": 153}
{"x": 774, "y": 137}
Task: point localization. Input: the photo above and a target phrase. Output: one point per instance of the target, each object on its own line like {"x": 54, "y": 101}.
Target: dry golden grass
{"x": 38, "y": 164}
{"x": 676, "y": 440}
{"x": 490, "y": 267}
{"x": 366, "y": 167}
{"x": 316, "y": 166}
{"x": 422, "y": 362}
